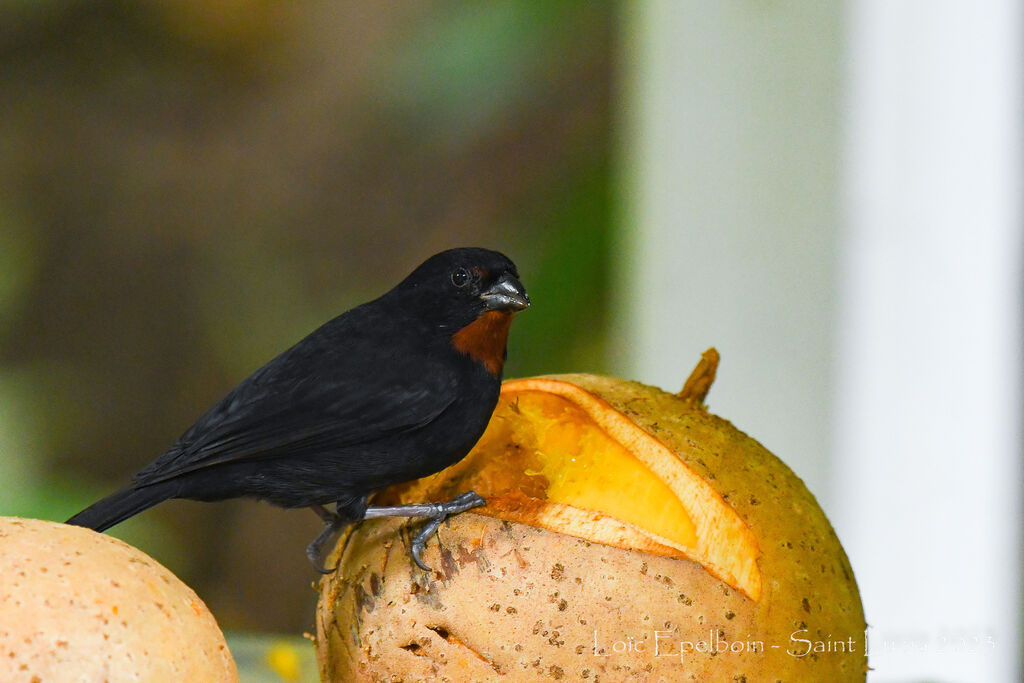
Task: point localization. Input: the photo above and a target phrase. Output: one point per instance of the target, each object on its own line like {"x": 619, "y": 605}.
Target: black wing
{"x": 309, "y": 400}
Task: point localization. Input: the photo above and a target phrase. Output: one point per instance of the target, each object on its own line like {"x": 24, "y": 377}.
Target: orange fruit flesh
{"x": 564, "y": 457}
{"x": 558, "y": 457}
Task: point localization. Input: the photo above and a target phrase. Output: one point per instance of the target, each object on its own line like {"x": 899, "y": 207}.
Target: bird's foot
{"x": 461, "y": 503}
{"x": 435, "y": 512}
{"x": 332, "y": 522}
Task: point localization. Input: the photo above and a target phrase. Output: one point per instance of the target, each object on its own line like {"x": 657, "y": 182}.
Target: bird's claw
{"x": 314, "y": 559}
{"x": 442, "y": 511}
{"x": 332, "y": 522}
{"x": 419, "y": 542}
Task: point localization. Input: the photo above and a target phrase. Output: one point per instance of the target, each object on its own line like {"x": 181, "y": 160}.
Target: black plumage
{"x": 390, "y": 391}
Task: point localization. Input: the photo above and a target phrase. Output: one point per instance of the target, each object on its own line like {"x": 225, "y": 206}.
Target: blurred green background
{"x": 187, "y": 188}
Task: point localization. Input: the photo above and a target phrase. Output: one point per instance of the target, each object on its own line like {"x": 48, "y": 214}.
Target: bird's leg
{"x": 324, "y": 514}
{"x": 437, "y": 512}
{"x": 332, "y": 522}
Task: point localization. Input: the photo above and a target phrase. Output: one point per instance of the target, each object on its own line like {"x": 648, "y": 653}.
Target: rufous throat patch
{"x": 485, "y": 338}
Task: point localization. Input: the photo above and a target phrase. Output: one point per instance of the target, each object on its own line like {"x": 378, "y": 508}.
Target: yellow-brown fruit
{"x": 76, "y": 605}
{"x": 628, "y": 535}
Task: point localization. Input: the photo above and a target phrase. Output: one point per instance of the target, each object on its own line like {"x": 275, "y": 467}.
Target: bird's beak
{"x": 507, "y": 294}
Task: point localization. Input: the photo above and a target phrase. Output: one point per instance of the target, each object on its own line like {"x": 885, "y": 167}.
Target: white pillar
{"x": 734, "y": 157}
{"x": 730, "y": 146}
{"x": 927, "y": 474}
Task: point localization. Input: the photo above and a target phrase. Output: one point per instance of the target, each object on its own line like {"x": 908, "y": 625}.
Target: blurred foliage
{"x": 187, "y": 188}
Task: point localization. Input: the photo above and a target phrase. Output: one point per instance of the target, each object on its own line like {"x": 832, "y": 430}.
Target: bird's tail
{"x": 119, "y": 506}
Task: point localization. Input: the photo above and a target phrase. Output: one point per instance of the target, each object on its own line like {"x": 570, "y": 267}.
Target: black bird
{"x": 393, "y": 390}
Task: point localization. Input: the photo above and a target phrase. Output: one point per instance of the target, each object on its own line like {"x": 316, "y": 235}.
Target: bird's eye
{"x": 460, "y": 277}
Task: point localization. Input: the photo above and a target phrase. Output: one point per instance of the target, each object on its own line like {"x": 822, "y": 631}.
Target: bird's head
{"x": 470, "y": 295}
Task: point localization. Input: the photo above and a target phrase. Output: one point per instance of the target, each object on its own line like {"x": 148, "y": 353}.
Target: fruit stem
{"x": 699, "y": 382}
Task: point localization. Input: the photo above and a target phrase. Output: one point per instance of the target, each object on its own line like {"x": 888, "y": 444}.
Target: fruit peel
{"x": 522, "y": 601}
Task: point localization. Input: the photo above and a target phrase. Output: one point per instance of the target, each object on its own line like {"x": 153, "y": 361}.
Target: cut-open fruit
{"x": 628, "y": 534}
{"x": 557, "y": 457}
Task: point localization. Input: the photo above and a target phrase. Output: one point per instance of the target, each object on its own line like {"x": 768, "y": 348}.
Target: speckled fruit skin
{"x": 76, "y": 605}
{"x": 505, "y": 600}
